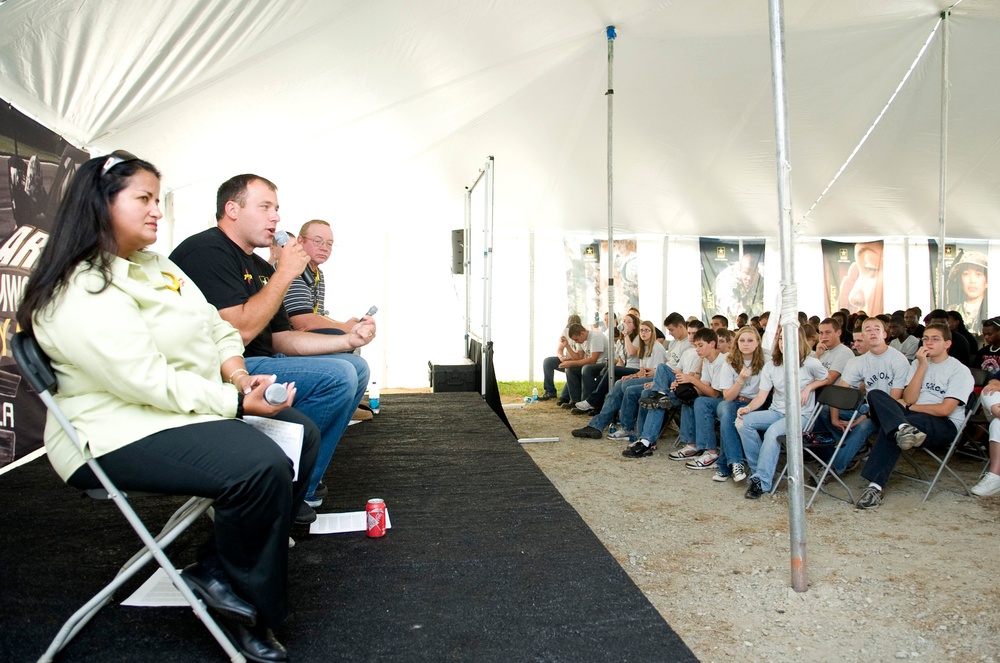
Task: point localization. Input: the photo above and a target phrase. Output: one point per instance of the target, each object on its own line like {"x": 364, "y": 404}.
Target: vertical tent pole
{"x": 531, "y": 306}
{"x": 487, "y": 271}
{"x": 943, "y": 184}
{"x": 789, "y": 306}
{"x": 610, "y": 94}
{"x": 467, "y": 260}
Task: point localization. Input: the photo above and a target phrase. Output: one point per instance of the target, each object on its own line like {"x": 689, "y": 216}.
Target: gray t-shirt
{"x": 728, "y": 377}
{"x": 947, "y": 379}
{"x": 883, "y": 372}
{"x": 596, "y": 343}
{"x": 774, "y": 377}
{"x": 836, "y": 359}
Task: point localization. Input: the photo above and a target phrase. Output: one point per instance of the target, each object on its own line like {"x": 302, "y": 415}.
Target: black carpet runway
{"x": 485, "y": 560}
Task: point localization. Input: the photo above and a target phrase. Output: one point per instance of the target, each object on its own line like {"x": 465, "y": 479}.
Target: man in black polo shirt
{"x": 248, "y": 293}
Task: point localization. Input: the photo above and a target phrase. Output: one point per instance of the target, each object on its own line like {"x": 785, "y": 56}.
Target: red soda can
{"x": 375, "y": 510}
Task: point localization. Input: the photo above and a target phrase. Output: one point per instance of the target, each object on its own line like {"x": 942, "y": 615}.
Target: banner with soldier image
{"x": 587, "y": 279}
{"x": 966, "y": 280}
{"x": 852, "y": 275}
{"x": 731, "y": 282}
{"x": 35, "y": 167}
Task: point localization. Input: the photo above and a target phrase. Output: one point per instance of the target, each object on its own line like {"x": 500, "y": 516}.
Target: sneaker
{"x": 622, "y": 435}
{"x": 567, "y": 406}
{"x": 739, "y": 473}
{"x": 755, "y": 490}
{"x": 909, "y": 436}
{"x": 588, "y": 432}
{"x": 316, "y": 499}
{"x": 578, "y": 411}
{"x": 584, "y": 405}
{"x": 560, "y": 401}
{"x": 546, "y": 397}
{"x": 684, "y": 453}
{"x": 305, "y": 515}
{"x": 706, "y": 461}
{"x": 638, "y": 450}
{"x": 870, "y": 499}
{"x": 988, "y": 486}
{"x": 657, "y": 401}
{"x": 720, "y": 475}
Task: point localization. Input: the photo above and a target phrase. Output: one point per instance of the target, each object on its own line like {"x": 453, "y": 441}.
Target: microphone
{"x": 281, "y": 238}
{"x": 276, "y": 394}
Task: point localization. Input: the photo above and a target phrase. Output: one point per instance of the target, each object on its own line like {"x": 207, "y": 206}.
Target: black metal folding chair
{"x": 842, "y": 398}
{"x": 941, "y": 462}
{"x": 38, "y": 371}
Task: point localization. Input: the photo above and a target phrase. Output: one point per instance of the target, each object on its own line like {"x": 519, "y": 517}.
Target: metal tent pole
{"x": 943, "y": 184}
{"x": 789, "y": 306}
{"x": 610, "y": 94}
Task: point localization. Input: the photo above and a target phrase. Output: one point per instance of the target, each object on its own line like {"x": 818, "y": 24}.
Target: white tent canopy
{"x": 375, "y": 115}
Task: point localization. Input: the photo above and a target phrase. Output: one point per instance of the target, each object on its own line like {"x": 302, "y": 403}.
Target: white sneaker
{"x": 584, "y": 405}
{"x": 988, "y": 486}
{"x": 706, "y": 461}
{"x": 739, "y": 473}
{"x": 622, "y": 435}
{"x": 719, "y": 476}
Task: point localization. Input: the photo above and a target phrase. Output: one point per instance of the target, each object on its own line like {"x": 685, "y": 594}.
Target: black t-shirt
{"x": 229, "y": 277}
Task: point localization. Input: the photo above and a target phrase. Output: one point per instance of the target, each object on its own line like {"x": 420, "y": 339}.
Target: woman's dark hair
{"x": 81, "y": 230}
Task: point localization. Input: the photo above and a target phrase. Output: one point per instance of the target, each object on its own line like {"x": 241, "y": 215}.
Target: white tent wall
{"x": 376, "y": 115}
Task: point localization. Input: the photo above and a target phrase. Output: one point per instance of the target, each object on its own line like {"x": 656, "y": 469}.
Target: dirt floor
{"x": 909, "y": 580}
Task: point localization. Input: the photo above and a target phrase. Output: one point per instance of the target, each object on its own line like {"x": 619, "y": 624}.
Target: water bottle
{"x": 373, "y": 396}
{"x": 612, "y": 429}
{"x": 534, "y": 393}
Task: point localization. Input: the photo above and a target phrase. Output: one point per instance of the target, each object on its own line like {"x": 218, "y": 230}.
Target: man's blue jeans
{"x": 703, "y": 414}
{"x": 763, "y": 455}
{"x": 329, "y": 388}
{"x": 651, "y": 421}
{"x": 855, "y": 438}
{"x": 620, "y": 400}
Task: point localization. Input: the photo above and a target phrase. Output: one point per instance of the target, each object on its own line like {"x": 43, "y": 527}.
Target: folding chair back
{"x": 37, "y": 370}
{"x": 842, "y": 398}
{"x": 941, "y": 462}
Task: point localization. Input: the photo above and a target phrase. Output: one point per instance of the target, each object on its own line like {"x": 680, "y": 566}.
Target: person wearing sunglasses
{"x": 154, "y": 381}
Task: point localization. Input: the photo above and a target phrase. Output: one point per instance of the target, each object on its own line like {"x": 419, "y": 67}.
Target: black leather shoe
{"x": 218, "y": 595}
{"x": 257, "y": 644}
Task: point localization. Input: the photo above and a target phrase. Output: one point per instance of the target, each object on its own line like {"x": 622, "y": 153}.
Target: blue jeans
{"x": 763, "y": 455}
{"x": 732, "y": 447}
{"x": 581, "y": 381}
{"x": 596, "y": 397}
{"x": 329, "y": 388}
{"x": 703, "y": 414}
{"x": 618, "y": 401}
{"x": 889, "y": 415}
{"x": 651, "y": 421}
{"x": 855, "y": 437}
{"x": 549, "y": 367}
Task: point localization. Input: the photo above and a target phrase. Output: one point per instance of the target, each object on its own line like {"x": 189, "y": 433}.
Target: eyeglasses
{"x": 115, "y": 158}
{"x": 319, "y": 243}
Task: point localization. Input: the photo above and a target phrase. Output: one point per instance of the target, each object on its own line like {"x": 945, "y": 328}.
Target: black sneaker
{"x": 870, "y": 499}
{"x": 578, "y": 411}
{"x": 546, "y": 397}
{"x": 306, "y": 515}
{"x": 755, "y": 490}
{"x": 651, "y": 402}
{"x": 588, "y": 432}
{"x": 637, "y": 450}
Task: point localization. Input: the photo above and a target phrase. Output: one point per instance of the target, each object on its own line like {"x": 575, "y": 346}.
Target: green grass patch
{"x": 522, "y": 388}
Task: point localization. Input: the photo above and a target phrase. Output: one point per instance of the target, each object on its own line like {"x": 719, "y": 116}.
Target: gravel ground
{"x": 909, "y": 580}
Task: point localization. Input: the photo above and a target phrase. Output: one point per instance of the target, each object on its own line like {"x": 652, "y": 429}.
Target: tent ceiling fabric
{"x": 342, "y": 100}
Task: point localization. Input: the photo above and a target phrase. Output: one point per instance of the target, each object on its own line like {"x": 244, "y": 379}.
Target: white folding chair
{"x": 941, "y": 462}
{"x": 37, "y": 370}
{"x": 842, "y": 398}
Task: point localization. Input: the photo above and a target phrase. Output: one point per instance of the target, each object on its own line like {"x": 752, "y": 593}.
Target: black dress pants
{"x": 250, "y": 479}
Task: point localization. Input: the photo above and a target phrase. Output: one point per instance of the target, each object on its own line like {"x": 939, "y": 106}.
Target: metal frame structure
{"x": 484, "y": 334}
